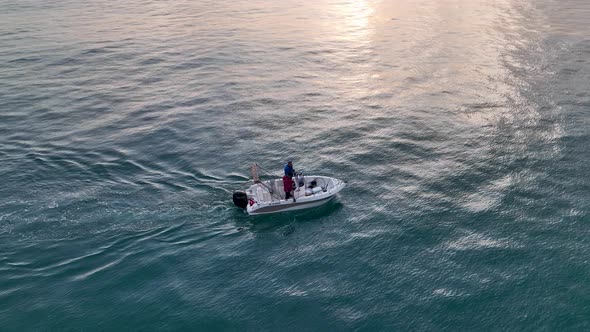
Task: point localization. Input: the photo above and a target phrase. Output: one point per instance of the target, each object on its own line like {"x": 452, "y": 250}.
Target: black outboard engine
{"x": 240, "y": 199}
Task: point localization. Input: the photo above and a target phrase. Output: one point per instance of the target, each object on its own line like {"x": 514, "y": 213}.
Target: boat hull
{"x": 288, "y": 207}
{"x": 269, "y": 197}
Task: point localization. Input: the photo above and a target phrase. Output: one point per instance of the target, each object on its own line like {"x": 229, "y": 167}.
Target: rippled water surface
{"x": 460, "y": 126}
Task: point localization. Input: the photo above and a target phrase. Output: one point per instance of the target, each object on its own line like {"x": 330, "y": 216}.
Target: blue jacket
{"x": 289, "y": 171}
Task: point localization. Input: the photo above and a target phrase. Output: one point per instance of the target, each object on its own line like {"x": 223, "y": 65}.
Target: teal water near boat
{"x": 461, "y": 128}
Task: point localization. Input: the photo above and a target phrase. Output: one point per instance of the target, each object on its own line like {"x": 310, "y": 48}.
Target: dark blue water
{"x": 461, "y": 127}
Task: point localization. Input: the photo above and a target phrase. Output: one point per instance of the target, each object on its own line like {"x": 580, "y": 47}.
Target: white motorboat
{"x": 269, "y": 196}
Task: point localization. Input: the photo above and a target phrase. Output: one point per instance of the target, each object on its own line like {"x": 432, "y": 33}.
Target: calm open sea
{"x": 461, "y": 126}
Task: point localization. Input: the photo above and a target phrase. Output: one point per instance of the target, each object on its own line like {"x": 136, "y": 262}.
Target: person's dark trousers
{"x": 287, "y": 195}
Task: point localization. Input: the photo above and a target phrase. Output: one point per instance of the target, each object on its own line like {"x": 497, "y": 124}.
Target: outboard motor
{"x": 240, "y": 199}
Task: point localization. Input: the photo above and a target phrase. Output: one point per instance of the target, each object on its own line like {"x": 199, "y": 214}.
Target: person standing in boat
{"x": 288, "y": 180}
{"x": 289, "y": 171}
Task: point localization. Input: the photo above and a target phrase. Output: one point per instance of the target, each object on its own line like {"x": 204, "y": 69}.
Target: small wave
{"x": 478, "y": 242}
{"x": 98, "y": 269}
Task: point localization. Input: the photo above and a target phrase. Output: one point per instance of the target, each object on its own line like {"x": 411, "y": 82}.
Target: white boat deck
{"x": 273, "y": 190}
{"x": 269, "y": 196}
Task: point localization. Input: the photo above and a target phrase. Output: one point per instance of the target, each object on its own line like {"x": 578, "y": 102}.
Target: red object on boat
{"x": 287, "y": 184}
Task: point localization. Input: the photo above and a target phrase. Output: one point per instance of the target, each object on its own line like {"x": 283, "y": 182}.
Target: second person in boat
{"x": 288, "y": 186}
{"x": 288, "y": 180}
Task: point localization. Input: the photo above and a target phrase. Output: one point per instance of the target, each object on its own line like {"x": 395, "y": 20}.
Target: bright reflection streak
{"x": 350, "y": 26}
{"x": 352, "y": 20}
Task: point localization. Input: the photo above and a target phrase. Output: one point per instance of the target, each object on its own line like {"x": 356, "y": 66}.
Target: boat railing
{"x": 255, "y": 171}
